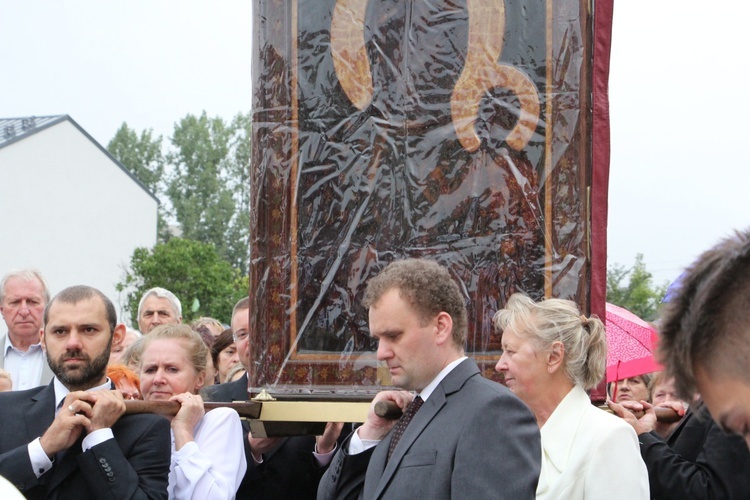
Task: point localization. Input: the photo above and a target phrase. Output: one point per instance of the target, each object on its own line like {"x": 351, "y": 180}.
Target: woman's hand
{"x": 184, "y": 422}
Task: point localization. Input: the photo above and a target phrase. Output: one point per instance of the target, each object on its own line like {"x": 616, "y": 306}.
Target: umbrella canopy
{"x": 630, "y": 345}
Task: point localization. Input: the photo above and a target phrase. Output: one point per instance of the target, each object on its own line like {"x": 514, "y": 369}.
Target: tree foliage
{"x": 203, "y": 180}
{"x": 633, "y": 289}
{"x": 142, "y": 156}
{"x": 193, "y": 271}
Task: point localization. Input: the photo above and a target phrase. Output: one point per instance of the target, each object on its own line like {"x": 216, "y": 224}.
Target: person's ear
{"x": 118, "y": 335}
{"x": 555, "y": 356}
{"x": 42, "y": 339}
{"x": 200, "y": 380}
{"x": 444, "y": 327}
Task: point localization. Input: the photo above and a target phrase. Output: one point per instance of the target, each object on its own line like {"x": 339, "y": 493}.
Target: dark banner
{"x": 459, "y": 131}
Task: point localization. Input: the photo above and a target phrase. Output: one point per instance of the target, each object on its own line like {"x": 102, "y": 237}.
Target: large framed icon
{"x": 459, "y": 131}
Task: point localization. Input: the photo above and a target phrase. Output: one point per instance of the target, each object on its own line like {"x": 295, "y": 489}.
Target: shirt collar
{"x": 61, "y": 391}
{"x": 425, "y": 393}
{"x": 9, "y": 345}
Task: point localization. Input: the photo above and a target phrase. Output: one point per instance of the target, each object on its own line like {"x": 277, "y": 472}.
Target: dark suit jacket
{"x": 133, "y": 465}
{"x": 288, "y": 472}
{"x": 697, "y": 461}
{"x": 472, "y": 438}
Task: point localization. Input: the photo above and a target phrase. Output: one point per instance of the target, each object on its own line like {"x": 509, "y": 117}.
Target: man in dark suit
{"x": 704, "y": 335}
{"x": 69, "y": 439}
{"x": 697, "y": 460}
{"x": 276, "y": 467}
{"x": 470, "y": 438}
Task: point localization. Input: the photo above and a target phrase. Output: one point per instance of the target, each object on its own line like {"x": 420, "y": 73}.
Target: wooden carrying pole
{"x": 292, "y": 418}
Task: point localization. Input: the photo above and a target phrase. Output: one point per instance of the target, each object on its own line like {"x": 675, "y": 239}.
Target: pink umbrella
{"x": 630, "y": 344}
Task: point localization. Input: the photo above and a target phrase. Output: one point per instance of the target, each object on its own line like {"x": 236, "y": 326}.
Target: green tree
{"x": 142, "y": 156}
{"x": 207, "y": 183}
{"x": 238, "y": 233}
{"x": 205, "y": 283}
{"x": 633, "y": 289}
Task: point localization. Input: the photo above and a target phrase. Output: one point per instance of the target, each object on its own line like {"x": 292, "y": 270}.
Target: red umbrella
{"x": 630, "y": 345}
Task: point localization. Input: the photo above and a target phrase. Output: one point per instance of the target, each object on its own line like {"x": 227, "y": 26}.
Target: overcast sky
{"x": 679, "y": 98}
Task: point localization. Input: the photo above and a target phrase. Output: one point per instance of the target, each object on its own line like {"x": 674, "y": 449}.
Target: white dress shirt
{"x": 25, "y": 367}
{"x": 213, "y": 465}
{"x": 588, "y": 453}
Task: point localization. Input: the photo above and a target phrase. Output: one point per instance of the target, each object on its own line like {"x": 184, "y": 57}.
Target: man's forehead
{"x": 17, "y": 286}
{"x": 240, "y": 318}
{"x": 154, "y": 302}
{"x": 92, "y": 308}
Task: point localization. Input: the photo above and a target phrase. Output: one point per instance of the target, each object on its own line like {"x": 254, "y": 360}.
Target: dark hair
{"x": 705, "y": 320}
{"x": 75, "y": 294}
{"x": 427, "y": 287}
{"x": 223, "y": 340}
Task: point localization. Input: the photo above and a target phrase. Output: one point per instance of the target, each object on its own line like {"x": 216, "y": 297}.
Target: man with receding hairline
{"x": 70, "y": 439}
{"x": 23, "y": 295}
{"x": 158, "y": 306}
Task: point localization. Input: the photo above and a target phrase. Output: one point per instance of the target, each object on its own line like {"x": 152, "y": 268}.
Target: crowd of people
{"x": 68, "y": 366}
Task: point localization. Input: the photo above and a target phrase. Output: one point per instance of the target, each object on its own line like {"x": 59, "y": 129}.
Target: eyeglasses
{"x": 241, "y": 335}
{"x": 130, "y": 395}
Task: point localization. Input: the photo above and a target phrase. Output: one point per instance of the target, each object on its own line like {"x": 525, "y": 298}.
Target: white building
{"x": 67, "y": 206}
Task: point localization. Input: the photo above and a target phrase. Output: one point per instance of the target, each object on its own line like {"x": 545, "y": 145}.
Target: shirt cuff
{"x": 97, "y": 437}
{"x": 188, "y": 450}
{"x": 358, "y": 445}
{"x": 40, "y": 462}
{"x": 324, "y": 459}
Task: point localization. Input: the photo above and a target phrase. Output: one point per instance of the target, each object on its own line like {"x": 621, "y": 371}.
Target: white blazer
{"x": 588, "y": 453}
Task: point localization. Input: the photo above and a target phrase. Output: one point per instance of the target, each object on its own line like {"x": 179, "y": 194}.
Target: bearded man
{"x": 70, "y": 439}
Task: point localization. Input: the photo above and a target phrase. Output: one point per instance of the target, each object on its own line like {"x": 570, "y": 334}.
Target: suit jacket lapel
{"x": 40, "y": 412}
{"x": 437, "y": 400}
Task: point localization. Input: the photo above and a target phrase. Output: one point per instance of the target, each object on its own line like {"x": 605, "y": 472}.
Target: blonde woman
{"x": 552, "y": 355}
{"x": 208, "y": 458}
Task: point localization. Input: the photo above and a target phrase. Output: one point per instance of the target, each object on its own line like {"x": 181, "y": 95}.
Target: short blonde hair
{"x": 194, "y": 345}
{"x": 552, "y": 320}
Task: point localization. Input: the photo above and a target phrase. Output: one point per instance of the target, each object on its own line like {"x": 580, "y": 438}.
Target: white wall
{"x": 69, "y": 210}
